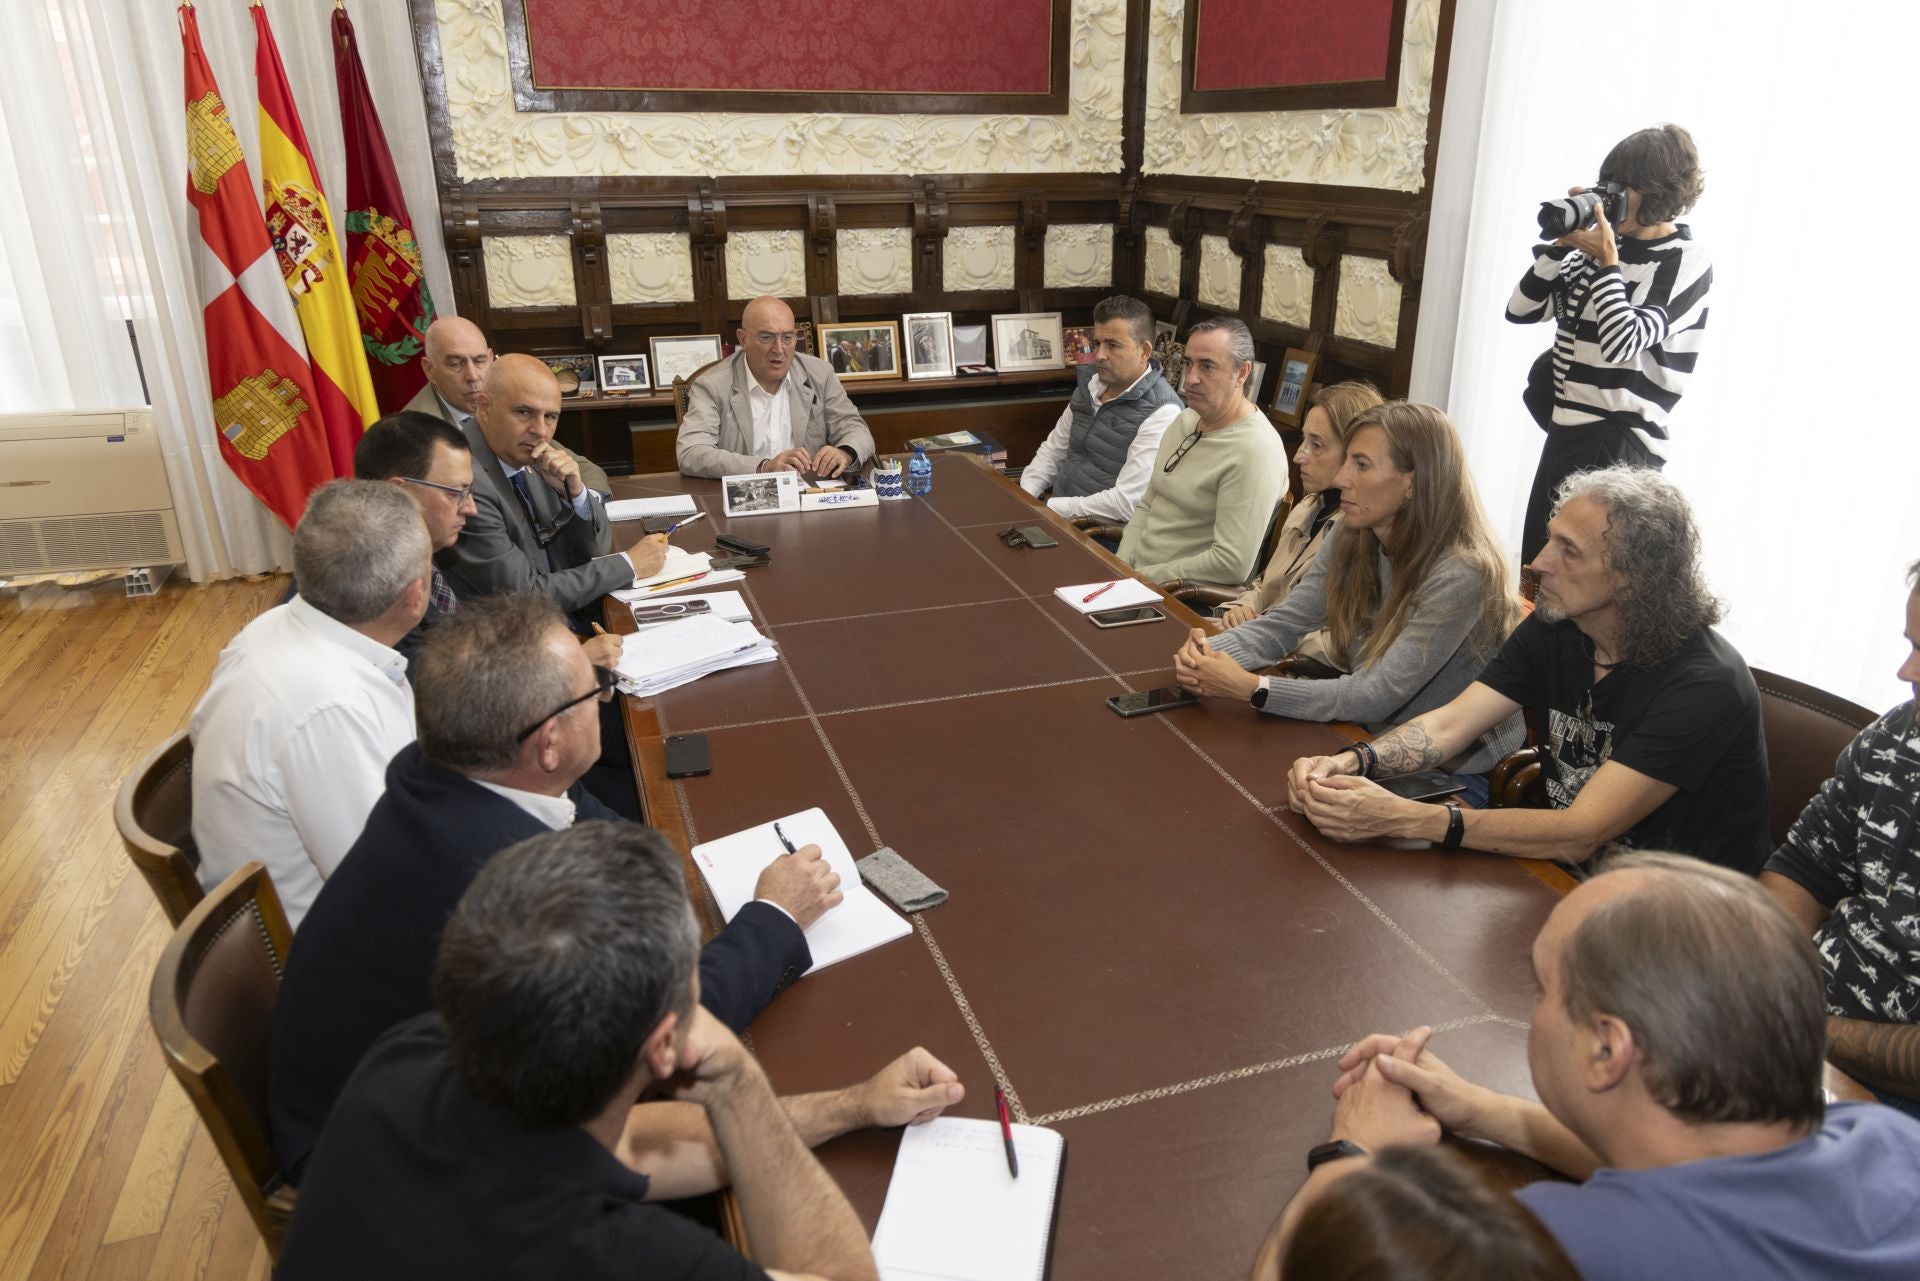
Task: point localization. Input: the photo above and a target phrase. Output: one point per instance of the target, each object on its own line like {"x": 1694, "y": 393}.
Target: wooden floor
{"x": 105, "y": 1169}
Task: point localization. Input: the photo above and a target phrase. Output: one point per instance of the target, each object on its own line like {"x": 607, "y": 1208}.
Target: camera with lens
{"x": 1572, "y": 213}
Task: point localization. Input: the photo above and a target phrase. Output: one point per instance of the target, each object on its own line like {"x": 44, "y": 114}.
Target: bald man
{"x": 769, "y": 407}
{"x": 536, "y": 527}
{"x": 455, "y": 364}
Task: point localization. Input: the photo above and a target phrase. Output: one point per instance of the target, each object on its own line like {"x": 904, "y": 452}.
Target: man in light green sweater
{"x": 1220, "y": 472}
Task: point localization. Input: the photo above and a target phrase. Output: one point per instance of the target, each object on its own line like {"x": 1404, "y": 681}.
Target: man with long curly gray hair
{"x": 1649, "y": 719}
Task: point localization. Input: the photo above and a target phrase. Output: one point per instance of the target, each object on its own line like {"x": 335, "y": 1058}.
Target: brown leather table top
{"x": 1139, "y": 947}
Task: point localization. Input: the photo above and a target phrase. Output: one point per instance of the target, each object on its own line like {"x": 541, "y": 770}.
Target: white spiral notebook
{"x": 955, "y": 1213}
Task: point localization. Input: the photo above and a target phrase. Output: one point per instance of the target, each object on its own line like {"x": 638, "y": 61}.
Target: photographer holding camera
{"x": 1626, "y": 287}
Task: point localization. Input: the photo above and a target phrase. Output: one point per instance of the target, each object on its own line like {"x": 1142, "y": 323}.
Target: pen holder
{"x": 889, "y": 480}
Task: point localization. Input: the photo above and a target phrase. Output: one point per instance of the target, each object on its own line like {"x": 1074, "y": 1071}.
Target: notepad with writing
{"x": 862, "y": 922}
{"x": 1124, "y": 592}
{"x": 955, "y": 1213}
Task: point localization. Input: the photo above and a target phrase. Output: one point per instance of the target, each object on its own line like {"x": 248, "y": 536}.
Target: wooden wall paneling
{"x": 1129, "y": 230}
{"x": 823, "y": 259}
{"x": 1407, "y": 264}
{"x": 1030, "y": 260}
{"x": 592, "y": 288}
{"x": 707, "y": 237}
{"x": 929, "y": 244}
{"x": 466, "y": 263}
{"x": 1246, "y": 234}
{"x": 1322, "y": 242}
{"x": 1133, "y": 90}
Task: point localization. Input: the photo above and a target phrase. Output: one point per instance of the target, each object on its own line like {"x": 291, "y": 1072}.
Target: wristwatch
{"x": 1337, "y": 1150}
{"x": 1259, "y": 696}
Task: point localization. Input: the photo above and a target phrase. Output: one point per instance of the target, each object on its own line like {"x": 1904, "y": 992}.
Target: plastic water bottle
{"x": 919, "y": 474}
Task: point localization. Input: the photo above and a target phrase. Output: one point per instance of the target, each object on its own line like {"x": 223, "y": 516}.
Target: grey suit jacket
{"x": 499, "y": 552}
{"x": 428, "y": 401}
{"x": 716, "y": 436}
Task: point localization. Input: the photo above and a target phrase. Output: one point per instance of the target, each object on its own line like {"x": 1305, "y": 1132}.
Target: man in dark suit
{"x": 505, "y": 701}
{"x": 456, "y": 363}
{"x": 769, "y": 406}
{"x": 536, "y": 526}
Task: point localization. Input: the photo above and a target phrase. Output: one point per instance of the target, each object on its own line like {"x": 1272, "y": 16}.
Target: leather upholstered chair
{"x": 154, "y": 812}
{"x": 680, "y": 386}
{"x": 1806, "y": 729}
{"x": 212, "y": 1006}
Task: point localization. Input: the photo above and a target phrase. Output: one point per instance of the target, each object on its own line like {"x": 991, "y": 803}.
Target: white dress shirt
{"x": 290, "y": 748}
{"x": 772, "y": 418}
{"x": 1114, "y": 506}
{"x": 556, "y": 812}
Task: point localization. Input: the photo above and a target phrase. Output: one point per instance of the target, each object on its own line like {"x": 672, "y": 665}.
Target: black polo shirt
{"x": 416, "y": 1176}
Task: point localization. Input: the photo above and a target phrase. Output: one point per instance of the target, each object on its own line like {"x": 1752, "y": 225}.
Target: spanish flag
{"x": 310, "y": 258}
{"x": 264, "y": 411}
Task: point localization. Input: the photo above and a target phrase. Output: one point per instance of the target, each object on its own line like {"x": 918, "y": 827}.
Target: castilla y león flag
{"x": 264, "y": 406}
{"x": 310, "y": 259}
{"x": 389, "y": 283}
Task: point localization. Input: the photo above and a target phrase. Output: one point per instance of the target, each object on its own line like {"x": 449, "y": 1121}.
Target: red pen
{"x": 1097, "y": 593}
{"x": 1006, "y": 1130}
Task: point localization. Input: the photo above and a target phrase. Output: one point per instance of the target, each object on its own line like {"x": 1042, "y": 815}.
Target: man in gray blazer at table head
{"x": 770, "y": 406}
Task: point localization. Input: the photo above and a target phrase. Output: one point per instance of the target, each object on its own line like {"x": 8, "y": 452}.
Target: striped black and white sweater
{"x": 1628, "y": 335}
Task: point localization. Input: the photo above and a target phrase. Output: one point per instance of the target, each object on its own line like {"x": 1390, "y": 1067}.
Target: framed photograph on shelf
{"x": 803, "y": 340}
{"x": 624, "y": 375}
{"x": 970, "y": 348}
{"x": 681, "y": 355}
{"x": 1256, "y": 380}
{"x": 866, "y": 350}
{"x": 929, "y": 344}
{"x": 1078, "y": 340}
{"x": 574, "y": 374}
{"x": 1027, "y": 340}
{"x": 1296, "y": 375}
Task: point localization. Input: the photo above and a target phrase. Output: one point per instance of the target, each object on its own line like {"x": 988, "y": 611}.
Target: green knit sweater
{"x": 1205, "y": 520}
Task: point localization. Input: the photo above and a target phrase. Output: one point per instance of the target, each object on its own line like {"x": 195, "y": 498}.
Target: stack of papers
{"x": 1124, "y": 592}
{"x": 664, "y": 658}
{"x": 955, "y": 1213}
{"x": 679, "y": 565}
{"x": 732, "y": 866}
{"x": 635, "y": 508}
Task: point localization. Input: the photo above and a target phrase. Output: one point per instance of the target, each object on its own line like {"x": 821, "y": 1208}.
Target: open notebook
{"x": 1122, "y": 593}
{"x": 954, "y": 1213}
{"x": 862, "y": 922}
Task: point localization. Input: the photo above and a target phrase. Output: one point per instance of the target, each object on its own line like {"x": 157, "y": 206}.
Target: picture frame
{"x": 1256, "y": 380}
{"x": 624, "y": 375}
{"x": 929, "y": 344}
{"x": 575, "y": 374}
{"x": 1027, "y": 340}
{"x": 1078, "y": 342}
{"x": 970, "y": 347}
{"x": 861, "y": 350}
{"x": 681, "y": 355}
{"x": 1296, "y": 376}
{"x": 1172, "y": 354}
{"x": 803, "y": 337}
{"x": 760, "y": 493}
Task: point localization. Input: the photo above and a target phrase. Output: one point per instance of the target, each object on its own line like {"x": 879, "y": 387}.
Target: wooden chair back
{"x": 212, "y": 1008}
{"x": 680, "y": 386}
{"x": 154, "y": 812}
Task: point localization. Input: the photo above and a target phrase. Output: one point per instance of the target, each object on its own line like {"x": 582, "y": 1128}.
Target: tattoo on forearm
{"x": 1404, "y": 750}
{"x": 1884, "y": 1055}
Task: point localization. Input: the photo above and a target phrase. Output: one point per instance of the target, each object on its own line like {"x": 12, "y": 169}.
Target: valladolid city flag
{"x": 310, "y": 259}
{"x": 389, "y": 284}
{"x": 265, "y": 410}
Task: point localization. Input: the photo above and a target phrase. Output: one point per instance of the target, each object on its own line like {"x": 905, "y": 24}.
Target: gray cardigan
{"x": 1427, "y": 666}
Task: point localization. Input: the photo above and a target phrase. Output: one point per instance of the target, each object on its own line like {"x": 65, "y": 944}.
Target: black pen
{"x": 783, "y": 839}
{"x": 1006, "y": 1131}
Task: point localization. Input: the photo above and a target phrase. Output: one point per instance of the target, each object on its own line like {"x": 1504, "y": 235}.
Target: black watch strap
{"x": 1259, "y": 696}
{"x": 1456, "y": 826}
{"x": 1337, "y": 1150}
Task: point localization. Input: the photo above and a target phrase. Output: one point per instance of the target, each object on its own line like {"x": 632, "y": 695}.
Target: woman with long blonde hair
{"x": 1412, "y": 589}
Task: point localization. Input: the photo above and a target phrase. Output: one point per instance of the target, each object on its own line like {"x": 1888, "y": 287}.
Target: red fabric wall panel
{"x": 1266, "y": 44}
{"x": 855, "y": 46}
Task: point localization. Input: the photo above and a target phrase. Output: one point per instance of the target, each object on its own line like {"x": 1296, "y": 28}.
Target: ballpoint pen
{"x": 678, "y": 582}
{"x": 677, "y": 525}
{"x": 783, "y": 839}
{"x": 1006, "y": 1130}
{"x": 1096, "y": 593}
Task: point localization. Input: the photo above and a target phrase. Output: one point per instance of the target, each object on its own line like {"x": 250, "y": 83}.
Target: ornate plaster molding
{"x": 1368, "y": 304}
{"x": 1079, "y": 255}
{"x": 1382, "y": 147}
{"x": 529, "y": 271}
{"x": 1286, "y": 292}
{"x": 493, "y": 140}
{"x": 650, "y": 267}
{"x": 1219, "y": 274}
{"x": 876, "y": 260}
{"x": 1163, "y": 263}
{"x": 766, "y": 262}
{"x": 977, "y": 258}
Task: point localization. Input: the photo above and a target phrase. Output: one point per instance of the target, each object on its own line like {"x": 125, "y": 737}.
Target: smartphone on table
{"x": 1424, "y": 785}
{"x": 1147, "y": 701}
{"x": 1130, "y": 616}
{"x": 668, "y": 611}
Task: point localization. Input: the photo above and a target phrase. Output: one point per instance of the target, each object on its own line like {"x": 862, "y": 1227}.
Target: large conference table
{"x": 1143, "y": 946}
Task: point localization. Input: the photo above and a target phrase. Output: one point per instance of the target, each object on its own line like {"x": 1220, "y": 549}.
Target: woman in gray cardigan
{"x": 1412, "y": 589}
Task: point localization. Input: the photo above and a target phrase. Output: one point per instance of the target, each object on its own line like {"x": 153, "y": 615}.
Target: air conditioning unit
{"x": 84, "y": 491}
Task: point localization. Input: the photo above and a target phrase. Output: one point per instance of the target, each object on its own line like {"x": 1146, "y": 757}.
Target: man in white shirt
{"x": 1099, "y": 456}
{"x": 310, "y": 701}
{"x": 769, "y": 406}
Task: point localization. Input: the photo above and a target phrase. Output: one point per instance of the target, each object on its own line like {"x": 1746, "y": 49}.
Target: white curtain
{"x": 1797, "y": 441}
{"x": 93, "y": 210}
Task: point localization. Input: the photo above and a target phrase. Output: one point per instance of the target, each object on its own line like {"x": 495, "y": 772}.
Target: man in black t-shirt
{"x": 499, "y": 1137}
{"x": 1650, "y": 720}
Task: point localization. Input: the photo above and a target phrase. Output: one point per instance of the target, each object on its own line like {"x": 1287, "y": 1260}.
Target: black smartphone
{"x": 1150, "y": 700}
{"x": 687, "y": 756}
{"x": 1424, "y": 785}
{"x": 668, "y": 611}
{"x": 1027, "y": 536}
{"x": 659, "y": 524}
{"x": 1131, "y": 616}
{"x": 745, "y": 546}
